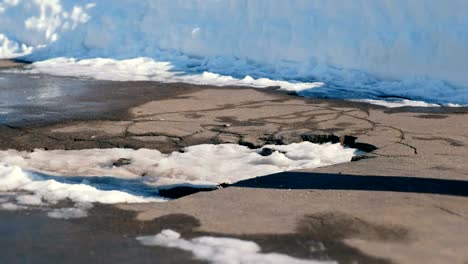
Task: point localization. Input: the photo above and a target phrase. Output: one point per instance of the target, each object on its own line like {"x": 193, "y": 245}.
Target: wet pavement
{"x": 106, "y": 236}
{"x": 37, "y": 99}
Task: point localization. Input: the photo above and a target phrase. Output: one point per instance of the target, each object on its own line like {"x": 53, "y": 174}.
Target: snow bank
{"x": 365, "y": 48}
{"x": 220, "y": 250}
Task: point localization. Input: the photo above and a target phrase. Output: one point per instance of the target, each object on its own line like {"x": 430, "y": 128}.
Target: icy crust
{"x": 364, "y": 49}
{"x": 221, "y": 250}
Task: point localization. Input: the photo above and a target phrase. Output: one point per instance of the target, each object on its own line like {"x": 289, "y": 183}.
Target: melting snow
{"x": 201, "y": 164}
{"x": 79, "y": 211}
{"x": 401, "y": 103}
{"x": 147, "y": 69}
{"x": 82, "y": 176}
{"x": 221, "y": 250}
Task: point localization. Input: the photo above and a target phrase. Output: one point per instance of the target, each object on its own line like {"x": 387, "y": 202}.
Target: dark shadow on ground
{"x": 322, "y": 181}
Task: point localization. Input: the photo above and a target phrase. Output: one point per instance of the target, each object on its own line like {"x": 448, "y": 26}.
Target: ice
{"x": 221, "y": 250}
{"x": 364, "y": 49}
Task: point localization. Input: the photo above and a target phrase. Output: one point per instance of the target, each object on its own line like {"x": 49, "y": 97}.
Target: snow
{"x": 221, "y": 250}
{"x": 10, "y": 49}
{"x": 29, "y": 199}
{"x": 401, "y": 103}
{"x": 47, "y": 190}
{"x": 12, "y": 207}
{"x": 79, "y": 211}
{"x": 68, "y": 213}
{"x": 44, "y": 178}
{"x": 147, "y": 69}
{"x": 362, "y": 49}
{"x": 336, "y": 83}
{"x": 205, "y": 165}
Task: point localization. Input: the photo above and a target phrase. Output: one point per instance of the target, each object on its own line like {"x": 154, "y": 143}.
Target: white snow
{"x": 337, "y": 83}
{"x": 147, "y": 69}
{"x": 206, "y": 165}
{"x": 10, "y": 49}
{"x": 43, "y": 178}
{"x": 359, "y": 49}
{"x": 12, "y": 207}
{"x": 29, "y": 25}
{"x": 29, "y": 199}
{"x": 31, "y": 190}
{"x": 221, "y": 250}
{"x": 79, "y": 211}
{"x": 401, "y": 103}
{"x": 68, "y": 213}
{"x": 46, "y": 190}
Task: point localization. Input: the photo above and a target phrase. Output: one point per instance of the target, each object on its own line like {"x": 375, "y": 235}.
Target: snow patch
{"x": 205, "y": 165}
{"x": 13, "y": 178}
{"x": 79, "y": 211}
{"x": 29, "y": 200}
{"x": 34, "y": 190}
{"x": 221, "y": 250}
{"x": 147, "y": 69}
{"x": 12, "y": 207}
{"x": 44, "y": 178}
{"x": 401, "y": 103}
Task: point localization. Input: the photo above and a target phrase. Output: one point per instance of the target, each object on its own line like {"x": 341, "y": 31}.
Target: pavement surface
{"x": 404, "y": 201}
